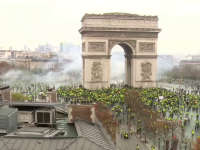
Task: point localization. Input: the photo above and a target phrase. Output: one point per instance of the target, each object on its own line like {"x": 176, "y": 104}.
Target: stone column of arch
{"x": 96, "y": 65}
{"x": 129, "y": 70}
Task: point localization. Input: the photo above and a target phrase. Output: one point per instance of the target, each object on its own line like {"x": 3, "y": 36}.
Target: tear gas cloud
{"x": 117, "y": 66}
{"x": 67, "y": 73}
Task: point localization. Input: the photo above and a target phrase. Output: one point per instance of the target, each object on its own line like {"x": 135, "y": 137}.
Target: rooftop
{"x": 6, "y": 111}
{"x": 92, "y": 133}
{"x": 91, "y": 138}
{"x": 30, "y": 104}
{"x": 118, "y": 15}
{"x": 33, "y": 132}
{"x": 7, "y": 143}
{"x": 32, "y": 129}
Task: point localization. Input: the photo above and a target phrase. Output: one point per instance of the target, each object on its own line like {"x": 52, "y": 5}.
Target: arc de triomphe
{"x": 136, "y": 34}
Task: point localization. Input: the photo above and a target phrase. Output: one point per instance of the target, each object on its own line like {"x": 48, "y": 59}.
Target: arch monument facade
{"x": 136, "y": 34}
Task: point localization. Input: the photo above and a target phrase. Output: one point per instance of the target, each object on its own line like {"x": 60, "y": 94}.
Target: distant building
{"x": 45, "y": 48}
{"x": 55, "y": 49}
{"x": 41, "y": 48}
{"x": 14, "y": 52}
{"x": 61, "y": 47}
{"x": 30, "y": 60}
{"x": 44, "y": 64}
{"x": 36, "y": 49}
{"x": 22, "y": 62}
{"x": 25, "y": 47}
{"x": 69, "y": 48}
{"x": 191, "y": 61}
{"x": 5, "y": 55}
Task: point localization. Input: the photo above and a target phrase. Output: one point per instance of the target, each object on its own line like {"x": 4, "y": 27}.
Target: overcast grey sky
{"x": 34, "y": 22}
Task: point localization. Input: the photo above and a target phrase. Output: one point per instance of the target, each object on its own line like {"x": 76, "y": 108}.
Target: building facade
{"x": 44, "y": 64}
{"x": 193, "y": 62}
{"x": 5, "y": 55}
{"x": 31, "y": 60}
{"x": 22, "y": 62}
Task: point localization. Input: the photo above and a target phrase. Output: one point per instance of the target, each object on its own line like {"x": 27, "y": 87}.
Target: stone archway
{"x": 129, "y": 49}
{"x": 137, "y": 35}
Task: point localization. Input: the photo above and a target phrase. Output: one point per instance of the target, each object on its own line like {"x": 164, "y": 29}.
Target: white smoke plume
{"x": 117, "y": 66}
{"x": 69, "y": 73}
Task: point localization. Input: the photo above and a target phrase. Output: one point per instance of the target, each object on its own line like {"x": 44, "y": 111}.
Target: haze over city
{"x": 33, "y": 22}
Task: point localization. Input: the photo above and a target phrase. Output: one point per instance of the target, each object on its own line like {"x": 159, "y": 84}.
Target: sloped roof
{"x": 90, "y": 138}
{"x": 93, "y": 133}
{"x": 48, "y": 144}
{"x": 34, "y": 143}
{"x": 84, "y": 144}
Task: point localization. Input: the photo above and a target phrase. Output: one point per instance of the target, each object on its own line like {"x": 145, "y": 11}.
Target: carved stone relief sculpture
{"x": 97, "y": 47}
{"x": 96, "y": 71}
{"x": 83, "y": 46}
{"x": 146, "y": 71}
{"x": 146, "y": 47}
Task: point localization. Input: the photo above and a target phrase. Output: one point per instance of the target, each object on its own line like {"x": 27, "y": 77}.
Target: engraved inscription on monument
{"x": 120, "y": 34}
{"x": 114, "y": 22}
{"x": 146, "y": 47}
{"x": 97, "y": 71}
{"x": 83, "y": 46}
{"x": 146, "y": 71}
{"x": 97, "y": 47}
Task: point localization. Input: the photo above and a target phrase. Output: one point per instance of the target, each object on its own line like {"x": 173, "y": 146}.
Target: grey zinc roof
{"x": 90, "y": 138}
{"x": 35, "y": 143}
{"x": 6, "y": 111}
{"x": 84, "y": 144}
{"x": 48, "y": 144}
{"x": 92, "y": 133}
